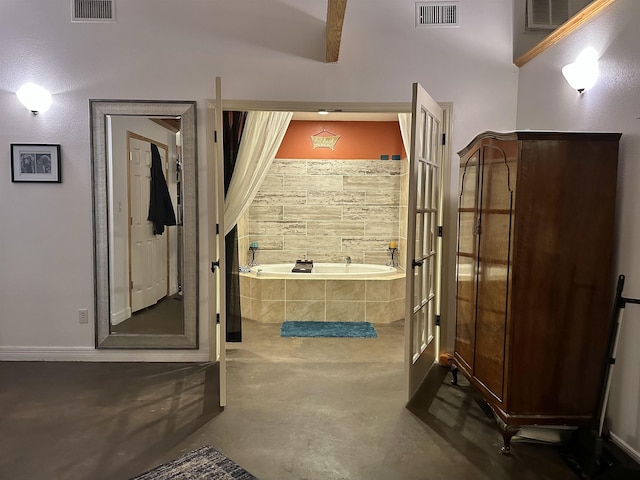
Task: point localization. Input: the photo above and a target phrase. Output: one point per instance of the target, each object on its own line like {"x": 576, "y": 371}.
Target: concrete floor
{"x": 297, "y": 409}
{"x": 165, "y": 317}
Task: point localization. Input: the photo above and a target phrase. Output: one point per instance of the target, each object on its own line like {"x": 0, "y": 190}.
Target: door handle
{"x": 416, "y": 263}
{"x": 214, "y": 265}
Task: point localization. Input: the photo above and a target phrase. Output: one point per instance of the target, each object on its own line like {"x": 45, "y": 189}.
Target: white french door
{"x": 217, "y": 283}
{"x": 424, "y": 242}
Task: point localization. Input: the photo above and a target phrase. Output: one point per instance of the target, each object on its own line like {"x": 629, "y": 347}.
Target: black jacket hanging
{"x": 160, "y": 207}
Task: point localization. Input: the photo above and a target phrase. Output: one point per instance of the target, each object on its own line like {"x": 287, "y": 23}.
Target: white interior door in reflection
{"x": 148, "y": 265}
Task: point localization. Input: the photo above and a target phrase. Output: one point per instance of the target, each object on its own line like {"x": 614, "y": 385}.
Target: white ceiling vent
{"x": 436, "y": 14}
{"x": 546, "y": 14}
{"x": 93, "y": 11}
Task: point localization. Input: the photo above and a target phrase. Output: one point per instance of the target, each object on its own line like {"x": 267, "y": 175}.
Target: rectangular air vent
{"x": 546, "y": 14}
{"x": 93, "y": 11}
{"x": 436, "y": 14}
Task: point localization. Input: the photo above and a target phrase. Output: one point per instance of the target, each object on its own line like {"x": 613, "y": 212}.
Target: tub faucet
{"x": 348, "y": 260}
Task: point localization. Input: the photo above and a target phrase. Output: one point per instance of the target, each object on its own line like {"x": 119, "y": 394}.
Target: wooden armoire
{"x": 535, "y": 285}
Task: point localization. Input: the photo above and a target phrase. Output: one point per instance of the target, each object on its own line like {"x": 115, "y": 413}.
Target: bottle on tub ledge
{"x": 253, "y": 247}
{"x": 393, "y": 248}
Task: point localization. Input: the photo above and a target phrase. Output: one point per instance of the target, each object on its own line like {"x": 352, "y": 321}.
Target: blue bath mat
{"x": 328, "y": 329}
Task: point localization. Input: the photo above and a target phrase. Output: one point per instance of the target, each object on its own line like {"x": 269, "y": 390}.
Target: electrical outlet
{"x": 83, "y": 315}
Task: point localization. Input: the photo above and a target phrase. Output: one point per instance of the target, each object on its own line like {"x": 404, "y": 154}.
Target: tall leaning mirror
{"x": 145, "y": 223}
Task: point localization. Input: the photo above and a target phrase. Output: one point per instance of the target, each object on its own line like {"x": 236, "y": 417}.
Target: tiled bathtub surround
{"x": 326, "y": 210}
{"x": 274, "y": 300}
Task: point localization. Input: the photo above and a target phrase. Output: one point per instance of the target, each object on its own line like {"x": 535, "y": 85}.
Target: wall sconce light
{"x": 34, "y": 97}
{"x": 583, "y": 73}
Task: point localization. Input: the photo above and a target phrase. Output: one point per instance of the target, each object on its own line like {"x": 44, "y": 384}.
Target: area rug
{"x": 204, "y": 463}
{"x": 328, "y": 329}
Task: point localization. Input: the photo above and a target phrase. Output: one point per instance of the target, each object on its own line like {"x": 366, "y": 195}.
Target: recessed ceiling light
{"x": 323, "y": 112}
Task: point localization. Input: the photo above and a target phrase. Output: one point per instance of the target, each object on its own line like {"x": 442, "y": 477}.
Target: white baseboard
{"x": 89, "y": 354}
{"x": 120, "y": 316}
{"x": 625, "y": 447}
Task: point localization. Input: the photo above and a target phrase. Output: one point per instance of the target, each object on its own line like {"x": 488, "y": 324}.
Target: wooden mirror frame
{"x": 99, "y": 111}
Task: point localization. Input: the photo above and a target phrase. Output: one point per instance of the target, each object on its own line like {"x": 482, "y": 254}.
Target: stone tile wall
{"x": 327, "y": 210}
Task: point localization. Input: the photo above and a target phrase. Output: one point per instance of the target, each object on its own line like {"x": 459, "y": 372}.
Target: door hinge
{"x": 131, "y": 285}
{"x": 440, "y": 231}
{"x": 217, "y": 318}
{"x": 215, "y": 265}
{"x": 437, "y": 320}
{"x": 130, "y": 220}
{"x": 444, "y": 139}
{"x": 215, "y": 136}
{"x": 217, "y": 229}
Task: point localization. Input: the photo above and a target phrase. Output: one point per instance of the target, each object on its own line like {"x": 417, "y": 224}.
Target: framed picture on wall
{"x": 35, "y": 163}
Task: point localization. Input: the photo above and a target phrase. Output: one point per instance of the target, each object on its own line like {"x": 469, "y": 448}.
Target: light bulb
{"x": 34, "y": 97}
{"x": 583, "y": 73}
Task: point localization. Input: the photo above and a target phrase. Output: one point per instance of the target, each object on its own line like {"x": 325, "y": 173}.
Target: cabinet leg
{"x": 507, "y": 433}
{"x": 454, "y": 374}
{"x": 447, "y": 360}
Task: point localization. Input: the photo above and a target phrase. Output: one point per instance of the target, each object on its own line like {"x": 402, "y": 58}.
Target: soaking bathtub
{"x": 331, "y": 292}
{"x": 335, "y": 271}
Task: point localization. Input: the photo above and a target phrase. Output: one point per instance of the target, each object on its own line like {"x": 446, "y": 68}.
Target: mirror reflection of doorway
{"x": 148, "y": 268}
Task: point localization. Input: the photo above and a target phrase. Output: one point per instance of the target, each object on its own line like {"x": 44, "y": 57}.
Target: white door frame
{"x": 446, "y": 333}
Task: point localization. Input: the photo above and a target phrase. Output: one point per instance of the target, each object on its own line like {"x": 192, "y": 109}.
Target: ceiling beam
{"x": 335, "y": 19}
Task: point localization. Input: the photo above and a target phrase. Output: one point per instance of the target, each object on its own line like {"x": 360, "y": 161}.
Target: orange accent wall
{"x": 358, "y": 140}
